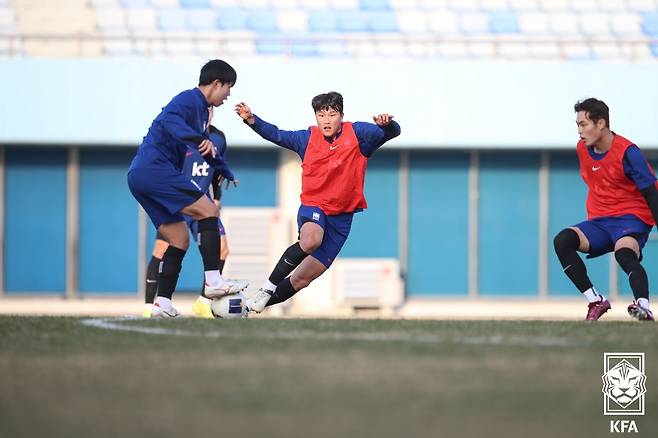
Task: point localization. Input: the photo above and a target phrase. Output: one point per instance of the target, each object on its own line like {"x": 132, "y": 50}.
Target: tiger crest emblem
{"x": 624, "y": 383}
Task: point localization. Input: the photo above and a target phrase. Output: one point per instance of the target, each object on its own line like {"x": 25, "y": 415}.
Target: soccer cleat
{"x": 597, "y": 309}
{"x": 160, "y": 312}
{"x": 259, "y": 301}
{"x": 640, "y": 313}
{"x": 201, "y": 308}
{"x": 228, "y": 287}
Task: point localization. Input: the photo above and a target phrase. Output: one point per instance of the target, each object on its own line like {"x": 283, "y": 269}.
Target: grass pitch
{"x": 313, "y": 378}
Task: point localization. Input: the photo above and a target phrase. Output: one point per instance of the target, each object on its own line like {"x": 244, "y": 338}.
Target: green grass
{"x": 314, "y": 378}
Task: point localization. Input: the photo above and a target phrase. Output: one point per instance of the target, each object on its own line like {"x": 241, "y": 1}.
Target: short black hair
{"x": 331, "y": 100}
{"x": 217, "y": 70}
{"x": 595, "y": 109}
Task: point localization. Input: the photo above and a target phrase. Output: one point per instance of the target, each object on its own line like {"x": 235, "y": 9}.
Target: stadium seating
{"x": 463, "y": 28}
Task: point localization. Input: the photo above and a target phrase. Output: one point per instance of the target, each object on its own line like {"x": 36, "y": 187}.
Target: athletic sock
{"x": 283, "y": 292}
{"x": 566, "y": 245}
{"x": 643, "y": 302}
{"x": 169, "y": 270}
{"x": 221, "y": 266}
{"x": 593, "y": 296}
{"x": 213, "y": 277}
{"x": 209, "y": 243}
{"x": 290, "y": 259}
{"x": 151, "y": 280}
{"x": 268, "y": 285}
{"x": 637, "y": 276}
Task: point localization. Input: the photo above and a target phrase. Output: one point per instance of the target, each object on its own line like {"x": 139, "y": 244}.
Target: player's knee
{"x": 566, "y": 240}
{"x": 627, "y": 259}
{"x": 310, "y": 243}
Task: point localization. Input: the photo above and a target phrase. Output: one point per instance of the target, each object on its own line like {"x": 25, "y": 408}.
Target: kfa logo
{"x": 624, "y": 387}
{"x": 200, "y": 169}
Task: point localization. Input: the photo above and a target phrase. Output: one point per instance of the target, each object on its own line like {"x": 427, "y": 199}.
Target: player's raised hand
{"x": 235, "y": 184}
{"x": 206, "y": 147}
{"x": 243, "y": 110}
{"x": 382, "y": 119}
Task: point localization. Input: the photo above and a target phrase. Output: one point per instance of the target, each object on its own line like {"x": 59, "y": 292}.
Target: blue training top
{"x": 371, "y": 136}
{"x": 201, "y": 170}
{"x": 181, "y": 125}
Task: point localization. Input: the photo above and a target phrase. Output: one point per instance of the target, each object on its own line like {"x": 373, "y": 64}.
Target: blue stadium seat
{"x": 262, "y": 21}
{"x": 195, "y": 3}
{"x": 270, "y": 46}
{"x": 322, "y": 21}
{"x": 135, "y": 3}
{"x": 374, "y": 5}
{"x": 382, "y": 22}
{"x": 654, "y": 49}
{"x": 304, "y": 49}
{"x": 650, "y": 23}
{"x": 232, "y": 19}
{"x": 172, "y": 19}
{"x": 503, "y": 22}
{"x": 353, "y": 22}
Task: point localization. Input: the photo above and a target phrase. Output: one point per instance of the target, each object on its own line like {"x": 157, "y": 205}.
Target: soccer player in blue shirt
{"x": 205, "y": 176}
{"x": 156, "y": 180}
{"x": 334, "y": 159}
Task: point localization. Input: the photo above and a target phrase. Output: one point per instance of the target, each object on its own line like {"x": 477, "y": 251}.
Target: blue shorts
{"x": 194, "y": 228}
{"x": 604, "y": 232}
{"x": 163, "y": 193}
{"x": 336, "y": 229}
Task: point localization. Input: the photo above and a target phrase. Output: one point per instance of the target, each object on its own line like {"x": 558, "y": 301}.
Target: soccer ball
{"x": 229, "y": 306}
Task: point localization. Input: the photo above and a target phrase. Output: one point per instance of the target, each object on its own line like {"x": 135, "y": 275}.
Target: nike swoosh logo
{"x": 151, "y": 281}
{"x": 595, "y": 168}
{"x": 287, "y": 262}
{"x": 331, "y": 148}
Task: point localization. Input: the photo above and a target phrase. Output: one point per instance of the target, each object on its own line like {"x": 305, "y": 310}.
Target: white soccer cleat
{"x": 259, "y": 301}
{"x": 161, "y": 312}
{"x": 228, "y": 287}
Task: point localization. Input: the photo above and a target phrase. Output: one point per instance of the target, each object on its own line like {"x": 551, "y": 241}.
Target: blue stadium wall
{"x": 439, "y": 198}
{"x": 468, "y": 198}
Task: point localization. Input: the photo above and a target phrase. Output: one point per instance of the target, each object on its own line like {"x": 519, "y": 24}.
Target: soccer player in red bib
{"x": 334, "y": 158}
{"x": 622, "y": 207}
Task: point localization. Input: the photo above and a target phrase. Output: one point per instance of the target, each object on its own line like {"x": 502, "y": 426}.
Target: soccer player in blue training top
{"x": 334, "y": 158}
{"x": 622, "y": 207}
{"x": 205, "y": 176}
{"x": 156, "y": 180}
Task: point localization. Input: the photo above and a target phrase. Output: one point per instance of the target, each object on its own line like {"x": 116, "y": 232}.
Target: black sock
{"x": 283, "y": 291}
{"x": 637, "y": 276}
{"x": 290, "y": 259}
{"x": 169, "y": 270}
{"x": 566, "y": 245}
{"x": 221, "y": 266}
{"x": 152, "y": 280}
{"x": 209, "y": 243}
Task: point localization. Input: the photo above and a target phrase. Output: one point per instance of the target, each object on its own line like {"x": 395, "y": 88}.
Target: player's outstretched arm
{"x": 293, "y": 140}
{"x": 373, "y": 136}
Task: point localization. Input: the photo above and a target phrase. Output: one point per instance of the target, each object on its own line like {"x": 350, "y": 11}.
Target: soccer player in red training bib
{"x": 334, "y": 158}
{"x": 622, "y": 207}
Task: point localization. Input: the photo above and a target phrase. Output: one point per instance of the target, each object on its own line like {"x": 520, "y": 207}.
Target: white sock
{"x": 269, "y": 285}
{"x": 204, "y": 299}
{"x": 592, "y": 296}
{"x": 213, "y": 277}
{"x": 643, "y": 303}
{"x": 148, "y": 306}
{"x": 163, "y": 302}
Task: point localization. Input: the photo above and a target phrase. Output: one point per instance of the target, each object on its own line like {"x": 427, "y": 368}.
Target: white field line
{"x": 116, "y": 324}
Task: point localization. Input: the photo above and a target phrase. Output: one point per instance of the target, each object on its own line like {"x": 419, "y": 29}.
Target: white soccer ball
{"x": 229, "y": 306}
